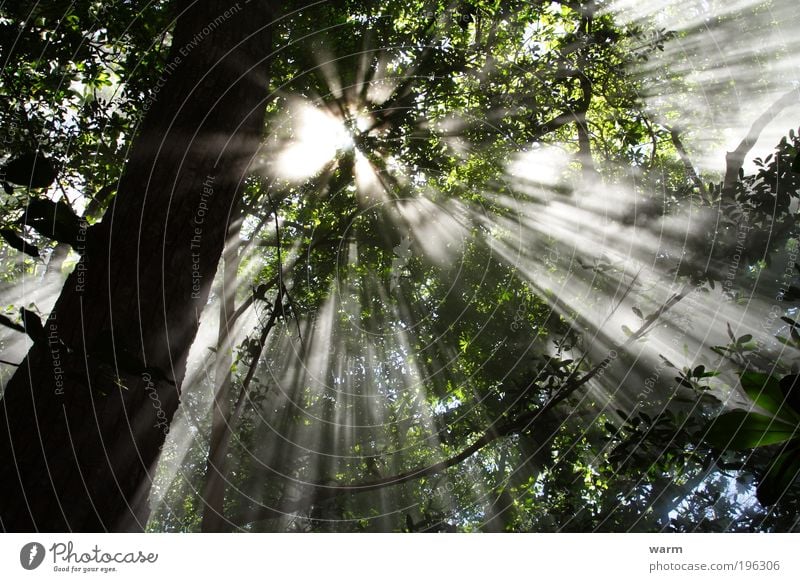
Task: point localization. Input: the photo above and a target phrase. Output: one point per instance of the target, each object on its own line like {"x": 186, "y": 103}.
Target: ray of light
{"x": 317, "y": 138}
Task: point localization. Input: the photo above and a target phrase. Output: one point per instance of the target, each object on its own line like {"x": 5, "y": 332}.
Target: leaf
{"x": 721, "y": 350}
{"x": 30, "y": 169}
{"x": 782, "y": 472}
{"x": 17, "y": 242}
{"x": 55, "y": 220}
{"x": 739, "y": 430}
{"x": 790, "y": 387}
{"x": 766, "y": 392}
{"x": 792, "y": 293}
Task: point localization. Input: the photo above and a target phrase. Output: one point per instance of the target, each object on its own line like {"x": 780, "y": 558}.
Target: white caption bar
{"x": 355, "y": 557}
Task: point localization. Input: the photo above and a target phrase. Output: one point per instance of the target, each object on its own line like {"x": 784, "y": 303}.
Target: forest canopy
{"x": 416, "y": 266}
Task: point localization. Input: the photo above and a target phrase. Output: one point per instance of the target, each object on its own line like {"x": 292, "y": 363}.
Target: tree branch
{"x": 687, "y": 162}
{"x": 11, "y": 325}
{"x": 735, "y": 160}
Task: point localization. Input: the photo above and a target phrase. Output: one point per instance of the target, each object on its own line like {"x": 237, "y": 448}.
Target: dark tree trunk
{"x": 84, "y": 418}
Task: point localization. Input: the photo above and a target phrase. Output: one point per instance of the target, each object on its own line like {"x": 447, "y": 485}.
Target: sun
{"x": 317, "y": 138}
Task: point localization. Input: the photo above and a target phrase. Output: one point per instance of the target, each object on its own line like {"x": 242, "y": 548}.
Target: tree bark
{"x": 84, "y": 418}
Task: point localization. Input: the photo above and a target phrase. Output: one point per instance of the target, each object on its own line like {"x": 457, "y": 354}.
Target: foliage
{"x": 380, "y": 329}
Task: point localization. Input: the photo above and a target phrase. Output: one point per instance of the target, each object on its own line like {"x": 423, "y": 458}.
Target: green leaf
{"x": 782, "y": 472}
{"x": 766, "y": 392}
{"x": 739, "y": 430}
{"x": 790, "y": 387}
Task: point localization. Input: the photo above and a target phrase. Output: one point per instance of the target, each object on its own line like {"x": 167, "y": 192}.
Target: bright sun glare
{"x": 317, "y": 137}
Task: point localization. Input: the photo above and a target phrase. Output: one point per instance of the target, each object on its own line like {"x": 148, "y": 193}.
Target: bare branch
{"x": 735, "y": 160}
{"x": 687, "y": 162}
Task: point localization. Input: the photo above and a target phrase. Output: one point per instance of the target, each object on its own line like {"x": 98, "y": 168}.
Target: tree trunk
{"x": 84, "y": 418}
{"x": 215, "y": 478}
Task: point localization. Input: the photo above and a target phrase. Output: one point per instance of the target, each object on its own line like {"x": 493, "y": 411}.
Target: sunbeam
{"x": 468, "y": 266}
